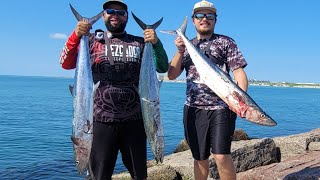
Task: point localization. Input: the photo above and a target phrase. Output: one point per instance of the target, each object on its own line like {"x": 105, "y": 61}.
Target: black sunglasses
{"x": 200, "y": 16}
{"x": 118, "y": 12}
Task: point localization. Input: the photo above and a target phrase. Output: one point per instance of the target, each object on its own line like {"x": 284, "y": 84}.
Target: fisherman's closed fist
{"x": 180, "y": 44}
{"x": 150, "y": 36}
{"x": 83, "y": 28}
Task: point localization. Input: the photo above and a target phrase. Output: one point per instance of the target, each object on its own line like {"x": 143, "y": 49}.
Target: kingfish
{"x": 149, "y": 92}
{"x": 83, "y": 92}
{"x": 222, "y": 85}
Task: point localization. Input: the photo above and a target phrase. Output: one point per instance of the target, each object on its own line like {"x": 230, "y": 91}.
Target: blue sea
{"x": 35, "y": 122}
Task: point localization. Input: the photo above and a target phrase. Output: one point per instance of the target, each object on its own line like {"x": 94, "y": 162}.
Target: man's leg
{"x": 104, "y": 151}
{"x": 196, "y": 126}
{"x": 225, "y": 166}
{"x": 133, "y": 149}
{"x": 201, "y": 169}
{"x": 222, "y": 128}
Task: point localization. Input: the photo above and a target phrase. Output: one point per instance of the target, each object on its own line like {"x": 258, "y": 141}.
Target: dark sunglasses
{"x": 200, "y": 16}
{"x": 118, "y": 12}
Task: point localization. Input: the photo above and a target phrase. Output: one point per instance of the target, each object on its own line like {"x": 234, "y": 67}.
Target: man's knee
{"x": 222, "y": 158}
{"x": 201, "y": 162}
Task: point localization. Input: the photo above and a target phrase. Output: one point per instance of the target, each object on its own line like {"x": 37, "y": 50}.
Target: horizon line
{"x": 71, "y": 77}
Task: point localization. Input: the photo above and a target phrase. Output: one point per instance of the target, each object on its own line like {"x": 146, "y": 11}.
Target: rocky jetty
{"x": 287, "y": 157}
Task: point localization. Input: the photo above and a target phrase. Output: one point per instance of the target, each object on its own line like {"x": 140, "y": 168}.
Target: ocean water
{"x": 35, "y": 122}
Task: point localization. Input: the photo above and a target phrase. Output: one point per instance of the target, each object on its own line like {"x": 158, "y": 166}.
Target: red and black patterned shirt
{"x": 116, "y": 99}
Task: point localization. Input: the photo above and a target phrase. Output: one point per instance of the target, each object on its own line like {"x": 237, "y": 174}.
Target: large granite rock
{"x": 240, "y": 134}
{"x": 298, "y": 144}
{"x": 299, "y": 155}
{"x": 249, "y": 154}
{"x": 183, "y": 146}
{"x": 246, "y": 154}
{"x": 175, "y": 166}
{"x": 305, "y": 166}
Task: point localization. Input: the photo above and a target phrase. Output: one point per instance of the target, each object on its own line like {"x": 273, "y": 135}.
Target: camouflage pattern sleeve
{"x": 235, "y": 58}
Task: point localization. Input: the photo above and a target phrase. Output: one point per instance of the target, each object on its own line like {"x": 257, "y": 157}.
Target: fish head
{"x": 159, "y": 151}
{"x": 257, "y": 116}
{"x": 82, "y": 152}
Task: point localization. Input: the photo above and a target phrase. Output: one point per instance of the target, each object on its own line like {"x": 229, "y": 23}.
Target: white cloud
{"x": 58, "y": 36}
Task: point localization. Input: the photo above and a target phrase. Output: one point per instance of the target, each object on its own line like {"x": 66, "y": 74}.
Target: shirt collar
{"x": 111, "y": 36}
{"x": 206, "y": 39}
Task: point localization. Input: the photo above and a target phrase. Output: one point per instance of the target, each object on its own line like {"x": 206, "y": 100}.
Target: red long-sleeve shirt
{"x": 69, "y": 54}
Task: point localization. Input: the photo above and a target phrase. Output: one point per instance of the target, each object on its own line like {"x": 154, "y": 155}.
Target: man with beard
{"x": 116, "y": 58}
{"x": 208, "y": 122}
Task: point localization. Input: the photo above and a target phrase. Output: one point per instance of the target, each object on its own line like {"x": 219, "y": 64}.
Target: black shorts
{"x": 208, "y": 129}
{"x": 108, "y": 139}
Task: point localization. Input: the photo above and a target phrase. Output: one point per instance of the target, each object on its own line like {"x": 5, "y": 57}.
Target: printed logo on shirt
{"x": 132, "y": 52}
{"x": 99, "y": 35}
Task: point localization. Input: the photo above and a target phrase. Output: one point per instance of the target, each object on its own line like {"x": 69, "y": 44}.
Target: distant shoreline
{"x": 289, "y": 86}
{"x": 271, "y": 84}
{"x": 251, "y": 82}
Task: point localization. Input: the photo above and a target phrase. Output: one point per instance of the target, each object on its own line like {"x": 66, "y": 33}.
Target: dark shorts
{"x": 108, "y": 139}
{"x": 208, "y": 129}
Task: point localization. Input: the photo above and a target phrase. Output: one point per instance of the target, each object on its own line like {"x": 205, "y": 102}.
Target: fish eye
{"x": 77, "y": 162}
{"x": 262, "y": 116}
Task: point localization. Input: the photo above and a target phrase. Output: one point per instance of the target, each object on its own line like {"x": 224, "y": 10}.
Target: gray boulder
{"x": 254, "y": 159}
{"x": 301, "y": 167}
{"x": 249, "y": 154}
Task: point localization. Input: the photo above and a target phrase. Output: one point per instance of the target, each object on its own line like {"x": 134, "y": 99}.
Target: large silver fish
{"x": 82, "y": 92}
{"x": 149, "y": 91}
{"x": 220, "y": 83}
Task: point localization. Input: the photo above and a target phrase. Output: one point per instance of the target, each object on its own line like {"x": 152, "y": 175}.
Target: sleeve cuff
{"x": 157, "y": 45}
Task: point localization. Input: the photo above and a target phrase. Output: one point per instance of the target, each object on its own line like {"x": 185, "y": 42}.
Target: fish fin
{"x": 171, "y": 32}
{"x": 182, "y": 28}
{"x": 71, "y": 89}
{"x": 96, "y": 86}
{"x": 75, "y": 140}
{"x": 90, "y": 20}
{"x": 76, "y": 14}
{"x": 145, "y": 26}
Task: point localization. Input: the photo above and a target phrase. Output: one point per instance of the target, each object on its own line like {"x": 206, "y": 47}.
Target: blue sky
{"x": 279, "y": 38}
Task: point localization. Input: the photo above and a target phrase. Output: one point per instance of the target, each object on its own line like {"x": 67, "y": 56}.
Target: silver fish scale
{"x": 83, "y": 107}
{"x": 83, "y": 92}
{"x": 149, "y": 88}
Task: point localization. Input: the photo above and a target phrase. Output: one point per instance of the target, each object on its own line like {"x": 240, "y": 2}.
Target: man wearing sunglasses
{"x": 116, "y": 58}
{"x": 208, "y": 122}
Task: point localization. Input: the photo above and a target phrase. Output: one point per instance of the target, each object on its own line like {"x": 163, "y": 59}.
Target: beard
{"x": 205, "y": 31}
{"x": 116, "y": 29}
{"x": 209, "y": 30}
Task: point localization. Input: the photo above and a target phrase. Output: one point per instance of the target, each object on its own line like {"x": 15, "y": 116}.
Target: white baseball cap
{"x": 204, "y": 5}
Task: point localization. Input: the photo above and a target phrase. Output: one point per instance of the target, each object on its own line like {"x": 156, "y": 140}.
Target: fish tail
{"x": 144, "y": 25}
{"x": 91, "y": 20}
{"x": 182, "y": 28}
